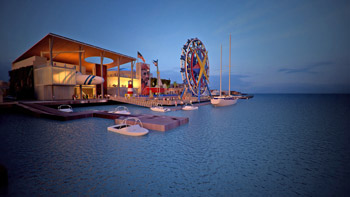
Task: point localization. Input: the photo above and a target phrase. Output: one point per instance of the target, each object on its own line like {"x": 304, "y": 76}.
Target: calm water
{"x": 271, "y": 145}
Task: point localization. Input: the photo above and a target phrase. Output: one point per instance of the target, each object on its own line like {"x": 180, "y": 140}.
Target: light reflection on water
{"x": 270, "y": 145}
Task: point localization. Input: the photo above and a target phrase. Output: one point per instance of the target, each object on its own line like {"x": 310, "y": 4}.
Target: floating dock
{"x": 245, "y": 96}
{"x": 146, "y": 102}
{"x": 47, "y": 109}
{"x": 156, "y": 122}
{"x": 153, "y": 122}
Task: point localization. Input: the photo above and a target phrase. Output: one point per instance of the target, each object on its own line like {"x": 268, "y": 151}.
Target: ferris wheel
{"x": 195, "y": 67}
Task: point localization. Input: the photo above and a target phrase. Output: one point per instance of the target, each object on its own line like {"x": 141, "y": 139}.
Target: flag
{"x": 155, "y": 62}
{"x": 140, "y": 56}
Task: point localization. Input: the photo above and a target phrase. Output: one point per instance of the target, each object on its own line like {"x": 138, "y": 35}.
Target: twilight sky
{"x": 277, "y": 46}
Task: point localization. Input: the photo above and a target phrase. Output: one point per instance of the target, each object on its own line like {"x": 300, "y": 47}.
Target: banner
{"x": 140, "y": 56}
{"x": 145, "y": 78}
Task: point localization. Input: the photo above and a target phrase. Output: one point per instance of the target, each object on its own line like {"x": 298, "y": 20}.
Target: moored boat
{"x": 189, "y": 107}
{"x": 160, "y": 108}
{"x": 224, "y": 100}
{"x": 65, "y": 108}
{"x": 125, "y": 128}
{"x": 121, "y": 110}
{"x": 220, "y": 101}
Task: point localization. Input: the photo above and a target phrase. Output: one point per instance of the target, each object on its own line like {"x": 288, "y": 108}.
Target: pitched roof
{"x": 61, "y": 43}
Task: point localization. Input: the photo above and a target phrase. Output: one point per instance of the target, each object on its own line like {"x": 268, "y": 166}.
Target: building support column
{"x": 81, "y": 86}
{"x": 102, "y": 92}
{"x": 51, "y": 64}
{"x": 50, "y": 48}
{"x": 118, "y": 64}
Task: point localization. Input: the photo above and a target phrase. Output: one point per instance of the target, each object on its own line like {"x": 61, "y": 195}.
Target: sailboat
{"x": 227, "y": 99}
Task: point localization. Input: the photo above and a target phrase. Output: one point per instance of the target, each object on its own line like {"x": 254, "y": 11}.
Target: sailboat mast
{"x": 220, "y": 68}
{"x": 229, "y": 77}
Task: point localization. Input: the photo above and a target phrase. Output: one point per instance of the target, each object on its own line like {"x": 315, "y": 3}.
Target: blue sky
{"x": 277, "y": 46}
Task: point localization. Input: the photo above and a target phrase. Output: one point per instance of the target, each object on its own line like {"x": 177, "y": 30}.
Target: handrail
{"x": 132, "y": 118}
{"x": 59, "y": 107}
{"x": 123, "y": 108}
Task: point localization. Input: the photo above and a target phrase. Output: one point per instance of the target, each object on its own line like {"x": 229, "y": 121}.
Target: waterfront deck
{"x": 146, "y": 102}
{"x": 47, "y": 109}
{"x": 153, "y": 122}
{"x": 157, "y": 122}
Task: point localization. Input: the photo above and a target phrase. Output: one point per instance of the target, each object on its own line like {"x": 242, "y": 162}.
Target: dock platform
{"x": 146, "y": 102}
{"x": 158, "y": 123}
{"x": 153, "y": 122}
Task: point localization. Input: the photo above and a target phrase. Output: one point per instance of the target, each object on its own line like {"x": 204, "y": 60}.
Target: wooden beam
{"x": 102, "y": 92}
{"x": 50, "y": 48}
{"x": 55, "y": 52}
{"x": 51, "y": 63}
{"x": 81, "y": 86}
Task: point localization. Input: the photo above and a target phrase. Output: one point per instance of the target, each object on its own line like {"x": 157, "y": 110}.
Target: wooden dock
{"x": 72, "y": 102}
{"x": 43, "y": 111}
{"x": 47, "y": 109}
{"x": 156, "y": 122}
{"x": 245, "y": 96}
{"x": 153, "y": 122}
{"x": 146, "y": 102}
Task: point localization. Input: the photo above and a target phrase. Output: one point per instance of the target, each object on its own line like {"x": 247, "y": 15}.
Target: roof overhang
{"x": 63, "y": 44}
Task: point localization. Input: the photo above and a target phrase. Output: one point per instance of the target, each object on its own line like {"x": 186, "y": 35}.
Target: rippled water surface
{"x": 278, "y": 145}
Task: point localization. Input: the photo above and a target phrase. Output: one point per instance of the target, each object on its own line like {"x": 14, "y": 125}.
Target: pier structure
{"x": 146, "y": 102}
{"x": 149, "y": 121}
{"x": 47, "y": 109}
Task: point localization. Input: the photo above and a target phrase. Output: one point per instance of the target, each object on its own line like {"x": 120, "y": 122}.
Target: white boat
{"x": 160, "y": 108}
{"x": 121, "y": 110}
{"x": 65, "y": 108}
{"x": 125, "y": 128}
{"x": 189, "y": 107}
{"x": 221, "y": 100}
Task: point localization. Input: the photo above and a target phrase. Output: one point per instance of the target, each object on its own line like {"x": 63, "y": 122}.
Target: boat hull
{"x": 65, "y": 110}
{"x": 133, "y": 130}
{"x": 223, "y": 101}
{"x": 188, "y": 108}
{"x": 122, "y": 112}
{"x": 160, "y": 109}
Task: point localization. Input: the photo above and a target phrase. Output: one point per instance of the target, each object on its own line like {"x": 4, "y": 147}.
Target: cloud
{"x": 309, "y": 69}
{"x": 302, "y": 88}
